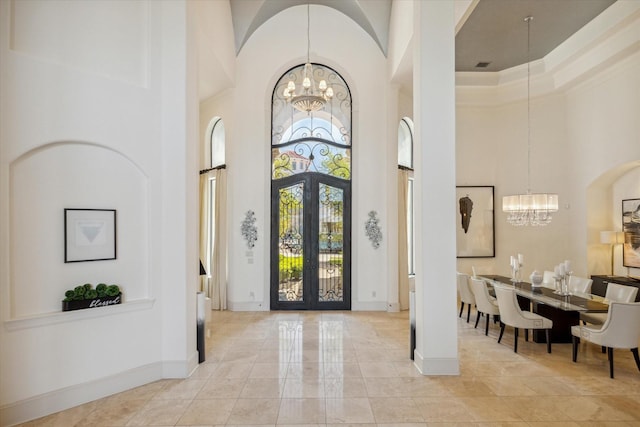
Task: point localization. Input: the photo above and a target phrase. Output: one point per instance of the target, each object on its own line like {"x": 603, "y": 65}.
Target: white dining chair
{"x": 485, "y": 303}
{"x": 620, "y": 330}
{"x": 580, "y": 285}
{"x": 464, "y": 291}
{"x": 548, "y": 280}
{"x": 512, "y": 315}
{"x": 614, "y": 293}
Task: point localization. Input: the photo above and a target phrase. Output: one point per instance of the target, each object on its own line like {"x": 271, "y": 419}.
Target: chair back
{"x": 510, "y": 311}
{"x": 622, "y": 327}
{"x": 620, "y": 293}
{"x": 580, "y": 285}
{"x": 548, "y": 281}
{"x": 484, "y": 301}
{"x": 466, "y": 296}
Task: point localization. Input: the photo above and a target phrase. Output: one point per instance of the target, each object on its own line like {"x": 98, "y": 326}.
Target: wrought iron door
{"x": 311, "y": 243}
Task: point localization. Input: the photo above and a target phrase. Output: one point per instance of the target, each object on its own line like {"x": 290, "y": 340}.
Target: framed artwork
{"x": 631, "y": 229}
{"x": 475, "y": 232}
{"x": 89, "y": 235}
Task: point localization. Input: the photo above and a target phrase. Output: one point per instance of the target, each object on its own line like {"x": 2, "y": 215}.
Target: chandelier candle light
{"x": 530, "y": 208}
{"x": 309, "y": 98}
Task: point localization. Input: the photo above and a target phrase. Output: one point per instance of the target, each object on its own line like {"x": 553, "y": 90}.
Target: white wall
{"x": 92, "y": 118}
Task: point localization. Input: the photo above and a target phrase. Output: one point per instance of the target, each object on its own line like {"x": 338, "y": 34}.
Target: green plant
{"x": 86, "y": 292}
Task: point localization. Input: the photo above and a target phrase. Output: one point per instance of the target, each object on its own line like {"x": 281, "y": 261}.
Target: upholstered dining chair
{"x": 485, "y": 303}
{"x": 466, "y": 296}
{"x": 512, "y": 315}
{"x": 621, "y": 330}
{"x": 580, "y": 285}
{"x": 548, "y": 280}
{"x": 614, "y": 293}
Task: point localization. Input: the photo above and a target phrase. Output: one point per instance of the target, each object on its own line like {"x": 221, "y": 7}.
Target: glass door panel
{"x": 330, "y": 243}
{"x": 290, "y": 243}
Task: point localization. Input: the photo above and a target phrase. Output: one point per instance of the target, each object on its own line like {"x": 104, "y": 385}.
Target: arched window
{"x": 216, "y": 142}
{"x": 405, "y": 143}
{"x": 317, "y": 142}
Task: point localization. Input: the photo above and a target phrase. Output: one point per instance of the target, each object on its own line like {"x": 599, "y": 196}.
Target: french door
{"x": 311, "y": 243}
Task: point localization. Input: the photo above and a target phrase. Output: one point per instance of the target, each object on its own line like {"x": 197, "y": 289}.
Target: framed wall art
{"x": 475, "y": 232}
{"x": 631, "y": 229}
{"x": 89, "y": 235}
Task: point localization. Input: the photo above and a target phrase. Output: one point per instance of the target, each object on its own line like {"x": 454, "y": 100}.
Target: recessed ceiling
{"x": 496, "y": 33}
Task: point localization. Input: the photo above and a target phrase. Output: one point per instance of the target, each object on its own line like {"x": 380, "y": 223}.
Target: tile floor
{"x": 329, "y": 368}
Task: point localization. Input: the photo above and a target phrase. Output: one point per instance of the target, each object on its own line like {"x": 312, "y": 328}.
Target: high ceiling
{"x": 490, "y": 31}
{"x": 495, "y": 31}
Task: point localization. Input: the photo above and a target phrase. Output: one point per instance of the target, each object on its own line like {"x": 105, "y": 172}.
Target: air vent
{"x": 482, "y": 64}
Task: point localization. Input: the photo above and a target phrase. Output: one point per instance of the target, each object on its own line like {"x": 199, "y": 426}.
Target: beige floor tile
{"x": 302, "y": 411}
{"x": 344, "y": 387}
{"x": 342, "y": 370}
{"x": 263, "y": 388}
{"x": 354, "y": 410}
{"x": 254, "y": 411}
{"x": 221, "y": 388}
{"x": 441, "y": 409}
{"x": 303, "y": 387}
{"x": 159, "y": 412}
{"x": 207, "y": 412}
{"x": 268, "y": 370}
{"x": 395, "y": 410}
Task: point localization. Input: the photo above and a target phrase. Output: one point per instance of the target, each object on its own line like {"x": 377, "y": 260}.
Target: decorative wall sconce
{"x": 372, "y": 229}
{"x": 249, "y": 230}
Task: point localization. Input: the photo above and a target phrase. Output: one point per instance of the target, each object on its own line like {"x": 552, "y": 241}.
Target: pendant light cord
{"x": 308, "y": 33}
{"x": 528, "y": 19}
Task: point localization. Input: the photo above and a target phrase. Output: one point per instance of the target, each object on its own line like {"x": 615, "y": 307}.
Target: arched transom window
{"x": 311, "y": 142}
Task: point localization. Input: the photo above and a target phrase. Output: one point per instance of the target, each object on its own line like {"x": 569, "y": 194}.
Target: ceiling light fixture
{"x": 531, "y": 208}
{"x": 309, "y": 98}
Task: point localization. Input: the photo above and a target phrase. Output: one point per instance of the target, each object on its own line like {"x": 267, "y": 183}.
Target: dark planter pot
{"x": 91, "y": 303}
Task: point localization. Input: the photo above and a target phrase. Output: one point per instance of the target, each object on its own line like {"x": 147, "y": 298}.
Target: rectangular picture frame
{"x": 89, "y": 235}
{"x": 631, "y": 229}
{"x": 475, "y": 221}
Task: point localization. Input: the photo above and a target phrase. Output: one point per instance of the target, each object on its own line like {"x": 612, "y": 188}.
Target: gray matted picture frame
{"x": 475, "y": 221}
{"x": 89, "y": 235}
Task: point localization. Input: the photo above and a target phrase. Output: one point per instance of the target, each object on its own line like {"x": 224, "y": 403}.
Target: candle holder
{"x": 562, "y": 284}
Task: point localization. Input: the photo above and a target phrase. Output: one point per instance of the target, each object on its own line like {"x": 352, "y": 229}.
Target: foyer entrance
{"x": 310, "y": 243}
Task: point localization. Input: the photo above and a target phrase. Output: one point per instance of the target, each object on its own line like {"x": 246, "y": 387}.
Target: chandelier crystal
{"x": 532, "y": 209}
{"x": 309, "y": 98}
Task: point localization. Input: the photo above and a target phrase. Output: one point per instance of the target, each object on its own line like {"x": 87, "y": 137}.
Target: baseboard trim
{"x": 369, "y": 306}
{"x": 247, "y": 306}
{"x": 437, "y": 365}
{"x": 69, "y": 397}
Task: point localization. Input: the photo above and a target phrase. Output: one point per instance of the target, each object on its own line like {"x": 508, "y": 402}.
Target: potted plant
{"x": 85, "y": 296}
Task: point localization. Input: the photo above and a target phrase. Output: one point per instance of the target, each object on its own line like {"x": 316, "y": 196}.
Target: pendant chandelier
{"x": 309, "y": 98}
{"x": 531, "y": 208}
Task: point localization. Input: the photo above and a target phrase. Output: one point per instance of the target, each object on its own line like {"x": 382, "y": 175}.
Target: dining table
{"x": 563, "y": 310}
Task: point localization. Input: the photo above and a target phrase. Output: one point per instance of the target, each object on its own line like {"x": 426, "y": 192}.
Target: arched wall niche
{"x": 604, "y": 213}
{"x": 73, "y": 174}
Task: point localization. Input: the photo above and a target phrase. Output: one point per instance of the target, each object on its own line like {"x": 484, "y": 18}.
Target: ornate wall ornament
{"x": 249, "y": 230}
{"x": 372, "y": 229}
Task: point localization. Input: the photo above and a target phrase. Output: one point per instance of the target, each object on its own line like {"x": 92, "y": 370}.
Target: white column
{"x": 393, "y": 302}
{"x": 434, "y": 114}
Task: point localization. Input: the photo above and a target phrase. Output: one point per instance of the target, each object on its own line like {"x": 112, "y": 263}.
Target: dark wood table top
{"x": 540, "y": 294}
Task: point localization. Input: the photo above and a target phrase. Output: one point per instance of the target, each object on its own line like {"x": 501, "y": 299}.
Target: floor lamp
{"x": 612, "y": 238}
